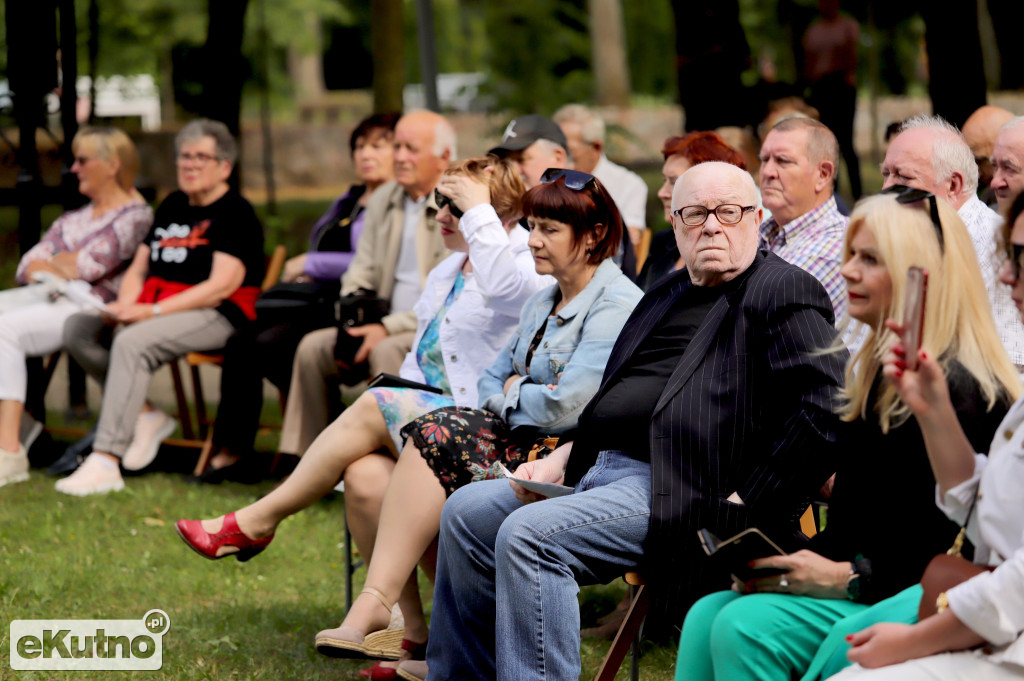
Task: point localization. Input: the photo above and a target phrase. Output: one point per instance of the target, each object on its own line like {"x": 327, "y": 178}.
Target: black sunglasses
{"x": 574, "y": 179}
{"x": 907, "y": 195}
{"x": 441, "y": 200}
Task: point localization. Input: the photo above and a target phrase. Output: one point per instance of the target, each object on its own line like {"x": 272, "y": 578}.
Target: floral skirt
{"x": 463, "y": 445}
{"x": 399, "y": 406}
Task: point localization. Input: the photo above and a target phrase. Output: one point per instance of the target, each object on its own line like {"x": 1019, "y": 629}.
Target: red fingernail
{"x": 849, "y": 637}
{"x": 898, "y": 373}
{"x": 924, "y": 354}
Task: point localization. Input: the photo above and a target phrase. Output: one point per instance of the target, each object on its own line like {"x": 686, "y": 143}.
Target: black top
{"x": 184, "y": 238}
{"x": 661, "y": 258}
{"x": 883, "y": 508}
{"x": 622, "y": 417}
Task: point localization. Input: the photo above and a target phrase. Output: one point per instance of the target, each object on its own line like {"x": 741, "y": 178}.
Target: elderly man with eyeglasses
{"x": 931, "y": 154}
{"x": 715, "y": 411}
{"x": 194, "y": 280}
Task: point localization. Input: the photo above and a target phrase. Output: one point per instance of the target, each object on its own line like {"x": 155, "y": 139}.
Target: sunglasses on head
{"x": 441, "y": 200}
{"x": 907, "y": 195}
{"x": 574, "y": 179}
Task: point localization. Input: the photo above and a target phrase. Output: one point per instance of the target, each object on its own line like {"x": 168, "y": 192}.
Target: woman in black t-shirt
{"x": 193, "y": 280}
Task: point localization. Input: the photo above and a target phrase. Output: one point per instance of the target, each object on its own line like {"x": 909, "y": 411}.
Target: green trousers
{"x": 777, "y": 637}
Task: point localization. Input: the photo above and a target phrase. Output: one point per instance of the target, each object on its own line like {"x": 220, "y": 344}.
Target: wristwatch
{"x": 156, "y": 309}
{"x": 853, "y": 583}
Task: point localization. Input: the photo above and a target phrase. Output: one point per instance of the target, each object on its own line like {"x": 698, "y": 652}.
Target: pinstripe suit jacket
{"x": 749, "y": 408}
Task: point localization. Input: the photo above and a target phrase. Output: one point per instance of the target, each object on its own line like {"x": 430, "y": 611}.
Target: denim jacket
{"x": 571, "y": 355}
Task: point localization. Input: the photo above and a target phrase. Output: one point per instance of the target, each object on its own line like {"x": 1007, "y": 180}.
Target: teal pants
{"x": 777, "y": 637}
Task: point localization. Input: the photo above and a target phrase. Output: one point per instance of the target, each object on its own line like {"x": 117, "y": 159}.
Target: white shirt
{"x": 992, "y": 603}
{"x": 628, "y": 191}
{"x": 407, "y": 270}
{"x": 983, "y": 223}
{"x": 479, "y": 322}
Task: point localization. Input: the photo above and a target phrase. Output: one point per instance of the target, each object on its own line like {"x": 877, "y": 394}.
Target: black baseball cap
{"x": 525, "y": 130}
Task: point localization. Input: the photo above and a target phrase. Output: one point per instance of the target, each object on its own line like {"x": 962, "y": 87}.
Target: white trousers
{"x": 962, "y": 666}
{"x": 29, "y": 331}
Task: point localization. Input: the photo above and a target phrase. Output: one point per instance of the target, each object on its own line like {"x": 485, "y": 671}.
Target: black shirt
{"x": 622, "y": 416}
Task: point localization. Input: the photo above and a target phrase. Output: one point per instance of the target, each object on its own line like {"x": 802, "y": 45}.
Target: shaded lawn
{"x": 117, "y": 556}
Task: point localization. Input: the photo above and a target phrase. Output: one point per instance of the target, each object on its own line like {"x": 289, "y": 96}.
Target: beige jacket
{"x": 373, "y": 266}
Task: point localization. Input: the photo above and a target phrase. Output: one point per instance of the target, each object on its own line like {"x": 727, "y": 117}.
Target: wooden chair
{"x": 203, "y": 425}
{"x": 643, "y": 248}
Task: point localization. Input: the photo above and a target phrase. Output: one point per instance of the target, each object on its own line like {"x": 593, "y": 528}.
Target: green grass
{"x": 117, "y": 556}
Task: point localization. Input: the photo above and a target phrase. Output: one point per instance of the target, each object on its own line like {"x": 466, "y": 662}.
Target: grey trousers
{"x": 124, "y": 360}
{"x": 314, "y": 376}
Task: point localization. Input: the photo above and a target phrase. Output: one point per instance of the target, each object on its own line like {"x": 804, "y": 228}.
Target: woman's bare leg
{"x": 409, "y": 521}
{"x": 10, "y": 424}
{"x": 360, "y": 430}
{"x": 366, "y": 482}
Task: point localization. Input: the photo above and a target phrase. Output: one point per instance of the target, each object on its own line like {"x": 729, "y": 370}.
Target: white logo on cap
{"x": 510, "y": 131}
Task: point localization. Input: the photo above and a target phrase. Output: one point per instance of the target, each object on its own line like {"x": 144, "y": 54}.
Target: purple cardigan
{"x": 327, "y": 265}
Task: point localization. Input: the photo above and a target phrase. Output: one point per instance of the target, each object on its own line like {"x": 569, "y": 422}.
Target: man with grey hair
{"x": 799, "y": 160}
{"x": 399, "y": 246}
{"x": 931, "y": 154}
{"x": 1008, "y": 162}
{"x": 662, "y": 450}
{"x": 585, "y": 136}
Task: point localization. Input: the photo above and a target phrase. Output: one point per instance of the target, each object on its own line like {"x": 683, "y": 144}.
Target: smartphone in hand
{"x": 735, "y": 553}
{"x": 913, "y": 314}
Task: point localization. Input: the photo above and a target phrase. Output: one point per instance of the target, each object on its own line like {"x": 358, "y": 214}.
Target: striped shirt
{"x": 814, "y": 242}
{"x": 983, "y": 223}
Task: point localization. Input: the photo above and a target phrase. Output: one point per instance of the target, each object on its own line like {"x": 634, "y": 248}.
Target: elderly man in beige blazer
{"x": 399, "y": 245}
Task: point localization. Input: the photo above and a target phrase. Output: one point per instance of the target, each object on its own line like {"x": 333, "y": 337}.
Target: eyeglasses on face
{"x": 197, "y": 159}
{"x": 906, "y": 195}
{"x": 726, "y": 214}
{"x": 574, "y": 179}
{"x": 441, "y": 200}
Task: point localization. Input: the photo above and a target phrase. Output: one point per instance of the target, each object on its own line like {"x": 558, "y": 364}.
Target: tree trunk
{"x": 608, "y": 47}
{"x": 388, "y": 63}
{"x": 222, "y": 54}
{"x": 956, "y": 80}
{"x": 305, "y": 67}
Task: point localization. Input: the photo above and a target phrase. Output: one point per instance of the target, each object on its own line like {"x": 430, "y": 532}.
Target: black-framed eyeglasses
{"x": 726, "y": 214}
{"x": 1016, "y": 255}
{"x": 907, "y": 195}
{"x": 441, "y": 200}
{"x": 574, "y": 179}
{"x": 198, "y": 158}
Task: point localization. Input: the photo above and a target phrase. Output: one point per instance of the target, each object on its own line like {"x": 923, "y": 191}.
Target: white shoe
{"x": 13, "y": 466}
{"x": 96, "y": 475}
{"x": 151, "y": 428}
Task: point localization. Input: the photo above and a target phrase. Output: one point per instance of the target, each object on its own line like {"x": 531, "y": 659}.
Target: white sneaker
{"x": 13, "y": 466}
{"x": 151, "y": 428}
{"x": 96, "y": 475}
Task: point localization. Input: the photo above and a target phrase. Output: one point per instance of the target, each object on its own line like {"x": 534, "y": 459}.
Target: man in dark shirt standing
{"x": 716, "y": 410}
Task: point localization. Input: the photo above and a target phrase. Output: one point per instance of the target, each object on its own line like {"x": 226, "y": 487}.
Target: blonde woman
{"x": 90, "y": 244}
{"x": 883, "y": 525}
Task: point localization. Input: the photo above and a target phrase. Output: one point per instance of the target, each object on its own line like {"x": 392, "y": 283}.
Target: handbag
{"x": 358, "y": 308}
{"x": 945, "y": 571}
{"x": 289, "y": 300}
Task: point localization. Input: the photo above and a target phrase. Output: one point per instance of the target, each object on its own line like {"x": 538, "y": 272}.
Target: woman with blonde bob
{"x": 883, "y": 526}
{"x": 88, "y": 246}
{"x": 469, "y": 307}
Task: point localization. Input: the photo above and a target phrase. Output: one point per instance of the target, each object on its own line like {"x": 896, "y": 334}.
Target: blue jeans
{"x": 511, "y": 573}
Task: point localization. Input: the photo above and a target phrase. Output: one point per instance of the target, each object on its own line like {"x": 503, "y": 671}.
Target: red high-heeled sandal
{"x": 206, "y": 544}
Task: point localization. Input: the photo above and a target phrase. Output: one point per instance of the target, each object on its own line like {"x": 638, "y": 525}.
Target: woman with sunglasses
{"x": 883, "y": 526}
{"x": 986, "y": 610}
{"x": 469, "y": 308}
{"x": 537, "y": 387}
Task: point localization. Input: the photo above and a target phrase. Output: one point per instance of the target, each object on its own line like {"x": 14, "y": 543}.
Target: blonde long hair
{"x": 958, "y": 321}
